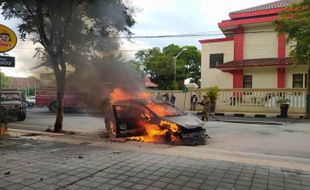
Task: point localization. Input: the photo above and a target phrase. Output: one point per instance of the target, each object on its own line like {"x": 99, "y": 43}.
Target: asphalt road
{"x": 40, "y": 119}
{"x": 290, "y": 140}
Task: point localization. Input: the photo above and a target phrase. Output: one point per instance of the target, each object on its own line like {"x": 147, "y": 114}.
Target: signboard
{"x": 8, "y": 39}
{"x": 6, "y": 61}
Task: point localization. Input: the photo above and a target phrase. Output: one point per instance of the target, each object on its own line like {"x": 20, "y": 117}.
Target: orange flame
{"x": 118, "y": 94}
{"x": 153, "y": 131}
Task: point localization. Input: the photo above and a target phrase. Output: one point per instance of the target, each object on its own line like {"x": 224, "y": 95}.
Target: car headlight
{"x": 18, "y": 106}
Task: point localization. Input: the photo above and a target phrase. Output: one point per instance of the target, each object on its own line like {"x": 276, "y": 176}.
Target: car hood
{"x": 187, "y": 121}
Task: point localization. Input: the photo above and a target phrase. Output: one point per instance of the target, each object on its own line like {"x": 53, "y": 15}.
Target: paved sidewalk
{"x": 36, "y": 164}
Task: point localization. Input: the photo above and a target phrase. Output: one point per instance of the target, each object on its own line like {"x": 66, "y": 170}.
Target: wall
{"x": 262, "y": 77}
{"x": 215, "y": 77}
{"x": 260, "y": 41}
{"x": 289, "y": 71}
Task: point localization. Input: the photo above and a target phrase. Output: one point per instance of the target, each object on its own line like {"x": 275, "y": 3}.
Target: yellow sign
{"x": 8, "y": 39}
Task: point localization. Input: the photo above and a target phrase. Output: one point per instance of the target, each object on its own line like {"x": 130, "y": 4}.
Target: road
{"x": 40, "y": 119}
{"x": 288, "y": 142}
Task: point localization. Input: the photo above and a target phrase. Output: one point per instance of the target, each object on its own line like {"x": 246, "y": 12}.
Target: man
{"x": 158, "y": 97}
{"x": 166, "y": 97}
{"x": 194, "y": 100}
{"x": 172, "y": 99}
{"x": 206, "y": 107}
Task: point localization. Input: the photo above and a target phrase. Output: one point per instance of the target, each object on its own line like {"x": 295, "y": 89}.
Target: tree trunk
{"x": 307, "y": 114}
{"x": 60, "y": 81}
{"x": 60, "y": 112}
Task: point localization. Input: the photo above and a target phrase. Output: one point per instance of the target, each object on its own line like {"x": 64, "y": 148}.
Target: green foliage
{"x": 159, "y": 65}
{"x": 3, "y": 116}
{"x": 5, "y": 81}
{"x": 294, "y": 21}
{"x": 283, "y": 101}
{"x": 212, "y": 93}
{"x": 27, "y": 92}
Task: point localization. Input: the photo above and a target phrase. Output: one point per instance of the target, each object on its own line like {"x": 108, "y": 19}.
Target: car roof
{"x": 130, "y": 102}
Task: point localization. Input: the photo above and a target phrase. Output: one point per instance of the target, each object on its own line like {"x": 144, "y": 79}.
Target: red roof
{"x": 268, "y": 6}
{"x": 148, "y": 83}
{"x": 256, "y": 63}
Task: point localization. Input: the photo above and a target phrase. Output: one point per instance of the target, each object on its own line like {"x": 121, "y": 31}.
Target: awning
{"x": 266, "y": 62}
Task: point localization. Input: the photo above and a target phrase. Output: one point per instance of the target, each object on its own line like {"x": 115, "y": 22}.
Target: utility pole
{"x": 175, "y": 65}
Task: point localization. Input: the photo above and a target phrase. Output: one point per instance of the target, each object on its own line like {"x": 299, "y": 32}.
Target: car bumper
{"x": 198, "y": 137}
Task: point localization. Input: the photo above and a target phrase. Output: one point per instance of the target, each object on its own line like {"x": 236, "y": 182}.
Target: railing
{"x": 260, "y": 100}
{"x": 247, "y": 100}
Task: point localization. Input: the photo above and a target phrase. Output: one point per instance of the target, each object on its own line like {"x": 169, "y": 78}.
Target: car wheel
{"x": 21, "y": 116}
{"x": 168, "y": 137}
{"x": 53, "y": 106}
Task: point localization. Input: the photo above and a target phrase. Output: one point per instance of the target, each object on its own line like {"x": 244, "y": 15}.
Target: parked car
{"x": 12, "y": 102}
{"x": 30, "y": 101}
{"x": 136, "y": 117}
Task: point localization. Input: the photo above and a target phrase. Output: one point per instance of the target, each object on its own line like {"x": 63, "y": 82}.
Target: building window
{"x": 298, "y": 80}
{"x": 216, "y": 59}
{"x": 247, "y": 81}
{"x": 306, "y": 79}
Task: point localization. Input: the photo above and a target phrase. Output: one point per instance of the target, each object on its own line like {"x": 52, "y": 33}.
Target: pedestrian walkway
{"x": 35, "y": 164}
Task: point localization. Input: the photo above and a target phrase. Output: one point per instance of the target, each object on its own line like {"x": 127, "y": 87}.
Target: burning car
{"x": 155, "y": 121}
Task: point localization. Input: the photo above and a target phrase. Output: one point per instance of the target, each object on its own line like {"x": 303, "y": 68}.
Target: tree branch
{"x": 41, "y": 29}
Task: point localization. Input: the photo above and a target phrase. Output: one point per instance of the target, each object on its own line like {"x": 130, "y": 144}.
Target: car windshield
{"x": 163, "y": 109}
{"x": 10, "y": 96}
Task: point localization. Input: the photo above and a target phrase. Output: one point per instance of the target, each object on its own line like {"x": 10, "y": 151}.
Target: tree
{"x": 159, "y": 65}
{"x": 294, "y": 21}
{"x": 69, "y": 30}
{"x": 5, "y": 81}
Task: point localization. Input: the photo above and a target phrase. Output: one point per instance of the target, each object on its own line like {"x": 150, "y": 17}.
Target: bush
{"x": 283, "y": 101}
{"x": 212, "y": 92}
{"x": 3, "y": 115}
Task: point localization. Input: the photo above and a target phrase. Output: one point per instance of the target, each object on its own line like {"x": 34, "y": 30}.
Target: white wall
{"x": 260, "y": 41}
{"x": 215, "y": 77}
{"x": 289, "y": 71}
{"x": 263, "y": 77}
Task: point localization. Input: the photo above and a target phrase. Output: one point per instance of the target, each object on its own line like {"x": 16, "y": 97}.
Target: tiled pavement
{"x": 31, "y": 164}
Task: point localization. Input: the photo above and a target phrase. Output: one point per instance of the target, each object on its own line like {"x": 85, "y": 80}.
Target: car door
{"x": 130, "y": 120}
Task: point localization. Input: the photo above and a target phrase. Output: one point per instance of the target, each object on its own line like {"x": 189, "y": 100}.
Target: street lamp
{"x": 175, "y": 64}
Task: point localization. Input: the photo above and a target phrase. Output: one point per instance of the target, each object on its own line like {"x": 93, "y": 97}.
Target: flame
{"x": 154, "y": 132}
{"x": 112, "y": 128}
{"x": 118, "y": 94}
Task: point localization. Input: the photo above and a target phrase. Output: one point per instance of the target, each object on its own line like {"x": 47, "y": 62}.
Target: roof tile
{"x": 256, "y": 63}
{"x": 268, "y": 6}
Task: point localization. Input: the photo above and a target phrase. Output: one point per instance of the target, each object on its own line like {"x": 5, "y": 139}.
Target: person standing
{"x": 206, "y": 102}
{"x": 158, "y": 97}
{"x": 172, "y": 99}
{"x": 194, "y": 100}
{"x": 166, "y": 97}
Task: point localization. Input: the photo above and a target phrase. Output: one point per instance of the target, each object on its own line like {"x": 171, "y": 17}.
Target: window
{"x": 306, "y": 78}
{"x": 216, "y": 59}
{"x": 298, "y": 80}
{"x": 247, "y": 81}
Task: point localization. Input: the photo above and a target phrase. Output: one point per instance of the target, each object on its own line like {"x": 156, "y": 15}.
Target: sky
{"x": 153, "y": 17}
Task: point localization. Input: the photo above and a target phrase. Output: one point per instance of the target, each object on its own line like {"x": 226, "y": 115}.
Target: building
{"x": 252, "y": 54}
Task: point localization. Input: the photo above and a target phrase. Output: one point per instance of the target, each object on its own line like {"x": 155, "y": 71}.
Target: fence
{"x": 246, "y": 100}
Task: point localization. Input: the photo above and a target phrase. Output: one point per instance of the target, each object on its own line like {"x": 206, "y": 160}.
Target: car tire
{"x": 21, "y": 116}
{"x": 53, "y": 106}
{"x": 168, "y": 137}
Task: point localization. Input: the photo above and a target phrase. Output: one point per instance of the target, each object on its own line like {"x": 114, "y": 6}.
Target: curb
{"x": 21, "y": 132}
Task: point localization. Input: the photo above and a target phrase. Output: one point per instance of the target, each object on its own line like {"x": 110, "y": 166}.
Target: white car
{"x": 30, "y": 101}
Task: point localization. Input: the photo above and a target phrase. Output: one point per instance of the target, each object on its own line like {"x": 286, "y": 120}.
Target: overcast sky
{"x": 153, "y": 17}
